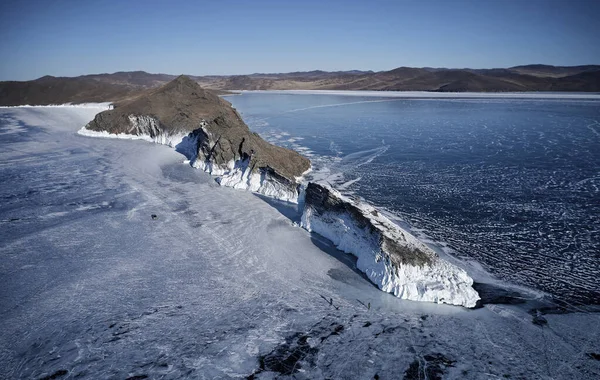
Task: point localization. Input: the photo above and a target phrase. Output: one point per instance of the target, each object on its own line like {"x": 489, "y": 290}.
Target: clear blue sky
{"x": 69, "y": 38}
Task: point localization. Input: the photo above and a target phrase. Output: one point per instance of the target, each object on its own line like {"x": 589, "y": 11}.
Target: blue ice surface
{"x": 511, "y": 183}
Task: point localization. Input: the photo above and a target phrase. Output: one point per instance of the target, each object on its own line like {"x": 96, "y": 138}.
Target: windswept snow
{"x": 220, "y": 285}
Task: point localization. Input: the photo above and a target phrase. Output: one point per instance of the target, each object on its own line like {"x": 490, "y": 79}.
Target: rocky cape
{"x": 210, "y": 132}
{"x": 213, "y": 136}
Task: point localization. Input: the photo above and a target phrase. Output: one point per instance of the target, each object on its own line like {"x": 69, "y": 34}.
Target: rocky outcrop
{"x": 213, "y": 136}
{"x": 210, "y": 132}
{"x": 392, "y": 258}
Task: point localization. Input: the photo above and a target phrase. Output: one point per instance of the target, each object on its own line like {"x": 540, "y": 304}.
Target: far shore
{"x": 432, "y": 94}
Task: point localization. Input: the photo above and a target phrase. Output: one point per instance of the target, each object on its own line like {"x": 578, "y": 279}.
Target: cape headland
{"x": 208, "y": 130}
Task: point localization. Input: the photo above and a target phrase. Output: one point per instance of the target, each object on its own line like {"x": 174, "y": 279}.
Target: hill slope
{"x": 54, "y": 90}
{"x": 121, "y": 86}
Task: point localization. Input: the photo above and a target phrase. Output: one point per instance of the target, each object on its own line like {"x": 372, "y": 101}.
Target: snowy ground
{"x": 220, "y": 285}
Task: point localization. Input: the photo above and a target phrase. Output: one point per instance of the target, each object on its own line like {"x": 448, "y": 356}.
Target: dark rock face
{"x": 299, "y": 350}
{"x": 182, "y": 107}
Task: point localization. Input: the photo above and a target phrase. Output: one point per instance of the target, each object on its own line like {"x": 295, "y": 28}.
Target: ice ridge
{"x": 393, "y": 259}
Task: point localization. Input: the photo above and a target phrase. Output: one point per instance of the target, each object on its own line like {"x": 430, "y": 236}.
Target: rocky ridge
{"x": 392, "y": 258}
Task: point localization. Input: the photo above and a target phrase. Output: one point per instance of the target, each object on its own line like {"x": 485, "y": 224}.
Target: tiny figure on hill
{"x": 251, "y": 154}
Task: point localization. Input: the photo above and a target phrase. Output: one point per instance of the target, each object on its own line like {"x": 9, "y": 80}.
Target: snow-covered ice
{"x": 220, "y": 285}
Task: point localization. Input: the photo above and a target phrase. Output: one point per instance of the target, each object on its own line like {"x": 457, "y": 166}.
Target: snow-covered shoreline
{"x": 162, "y": 139}
{"x": 235, "y": 174}
{"x": 219, "y": 285}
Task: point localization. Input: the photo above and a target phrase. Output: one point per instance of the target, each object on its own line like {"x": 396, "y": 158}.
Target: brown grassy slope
{"x": 135, "y": 78}
{"x": 553, "y": 71}
{"x": 580, "y": 78}
{"x": 115, "y": 87}
{"x": 53, "y": 90}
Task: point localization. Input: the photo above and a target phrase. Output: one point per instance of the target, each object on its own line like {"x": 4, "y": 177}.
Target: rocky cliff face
{"x": 392, "y": 258}
{"x": 213, "y": 135}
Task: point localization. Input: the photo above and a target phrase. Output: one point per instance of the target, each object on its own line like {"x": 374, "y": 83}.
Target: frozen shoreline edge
{"x": 392, "y": 258}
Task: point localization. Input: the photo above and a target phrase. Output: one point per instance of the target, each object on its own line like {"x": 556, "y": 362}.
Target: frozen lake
{"x": 222, "y": 284}
{"x": 512, "y": 183}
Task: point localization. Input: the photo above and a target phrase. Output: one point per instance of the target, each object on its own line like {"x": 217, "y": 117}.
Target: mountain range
{"x": 121, "y": 86}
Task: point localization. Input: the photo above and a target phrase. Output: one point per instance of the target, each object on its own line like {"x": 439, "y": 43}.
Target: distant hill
{"x": 135, "y": 78}
{"x": 60, "y": 90}
{"x": 120, "y": 86}
{"x": 116, "y": 87}
{"x": 553, "y": 71}
{"x": 518, "y": 79}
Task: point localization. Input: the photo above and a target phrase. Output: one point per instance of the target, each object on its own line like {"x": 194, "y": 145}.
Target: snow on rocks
{"x": 138, "y": 124}
{"x": 393, "y": 259}
{"x": 241, "y": 172}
